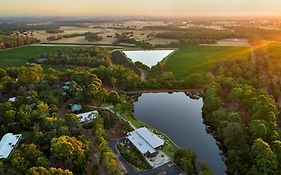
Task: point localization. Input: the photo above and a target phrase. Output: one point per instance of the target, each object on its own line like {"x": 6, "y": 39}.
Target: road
{"x": 169, "y": 168}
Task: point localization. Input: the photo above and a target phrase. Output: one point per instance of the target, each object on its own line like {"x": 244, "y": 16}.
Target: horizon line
{"x": 143, "y": 16}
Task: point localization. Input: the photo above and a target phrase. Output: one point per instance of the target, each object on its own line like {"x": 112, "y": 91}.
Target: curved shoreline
{"x": 198, "y": 91}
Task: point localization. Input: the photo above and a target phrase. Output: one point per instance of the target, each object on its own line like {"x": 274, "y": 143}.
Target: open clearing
{"x": 106, "y": 32}
{"x": 190, "y": 60}
{"x": 231, "y": 42}
{"x": 19, "y": 56}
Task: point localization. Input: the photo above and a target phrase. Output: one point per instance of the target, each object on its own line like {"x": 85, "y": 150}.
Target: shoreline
{"x": 198, "y": 91}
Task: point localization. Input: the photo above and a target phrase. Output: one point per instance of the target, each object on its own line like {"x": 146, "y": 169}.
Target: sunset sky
{"x": 140, "y": 7}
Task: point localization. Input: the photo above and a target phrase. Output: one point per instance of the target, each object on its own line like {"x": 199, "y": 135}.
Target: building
{"x": 66, "y": 85}
{"x": 87, "y": 116}
{"x": 75, "y": 107}
{"x": 146, "y": 142}
{"x": 8, "y": 143}
{"x": 13, "y": 99}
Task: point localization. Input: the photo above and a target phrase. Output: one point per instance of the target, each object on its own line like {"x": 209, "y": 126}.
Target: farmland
{"x": 19, "y": 56}
{"x": 188, "y": 60}
{"x": 274, "y": 50}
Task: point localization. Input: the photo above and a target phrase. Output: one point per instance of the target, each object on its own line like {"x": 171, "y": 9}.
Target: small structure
{"x": 76, "y": 107}
{"x": 8, "y": 143}
{"x": 13, "y": 99}
{"x": 87, "y": 116}
{"x": 41, "y": 60}
{"x": 66, "y": 85}
{"x": 146, "y": 142}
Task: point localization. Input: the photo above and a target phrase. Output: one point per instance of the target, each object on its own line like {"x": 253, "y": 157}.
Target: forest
{"x": 199, "y": 35}
{"x": 54, "y": 140}
{"x": 241, "y": 106}
{"x": 16, "y": 40}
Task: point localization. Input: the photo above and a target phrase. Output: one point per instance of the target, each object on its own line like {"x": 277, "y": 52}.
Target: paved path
{"x": 169, "y": 168}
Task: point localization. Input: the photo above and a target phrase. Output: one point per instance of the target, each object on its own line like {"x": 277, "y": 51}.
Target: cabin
{"x": 8, "y": 143}
{"x": 87, "y": 116}
{"x": 146, "y": 142}
{"x": 75, "y": 107}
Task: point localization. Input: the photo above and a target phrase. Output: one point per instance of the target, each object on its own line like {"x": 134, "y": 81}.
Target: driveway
{"x": 168, "y": 168}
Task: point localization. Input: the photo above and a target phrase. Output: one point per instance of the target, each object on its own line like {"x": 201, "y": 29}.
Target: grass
{"x": 274, "y": 50}
{"x": 20, "y": 55}
{"x": 188, "y": 60}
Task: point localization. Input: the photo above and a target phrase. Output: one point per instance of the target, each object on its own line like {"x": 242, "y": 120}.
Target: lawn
{"x": 189, "y": 60}
{"x": 19, "y": 56}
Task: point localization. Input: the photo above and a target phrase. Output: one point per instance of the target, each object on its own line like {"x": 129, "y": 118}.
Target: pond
{"x": 148, "y": 57}
{"x": 180, "y": 118}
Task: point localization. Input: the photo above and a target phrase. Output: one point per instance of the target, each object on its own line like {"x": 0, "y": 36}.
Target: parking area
{"x": 167, "y": 168}
{"x": 160, "y": 159}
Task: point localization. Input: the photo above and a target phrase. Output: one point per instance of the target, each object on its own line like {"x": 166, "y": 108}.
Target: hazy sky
{"x": 140, "y": 7}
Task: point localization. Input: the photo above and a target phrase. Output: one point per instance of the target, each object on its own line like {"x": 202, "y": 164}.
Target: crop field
{"x": 19, "y": 56}
{"x": 274, "y": 50}
{"x": 190, "y": 60}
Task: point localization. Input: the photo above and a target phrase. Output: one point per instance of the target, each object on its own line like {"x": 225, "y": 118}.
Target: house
{"x": 13, "y": 99}
{"x": 87, "y": 116}
{"x": 8, "y": 143}
{"x": 146, "y": 142}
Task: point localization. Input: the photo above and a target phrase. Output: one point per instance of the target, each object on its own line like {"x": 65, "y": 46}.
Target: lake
{"x": 180, "y": 118}
{"x": 148, "y": 57}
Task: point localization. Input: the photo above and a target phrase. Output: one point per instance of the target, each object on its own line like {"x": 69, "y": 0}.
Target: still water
{"x": 148, "y": 57}
{"x": 180, "y": 118}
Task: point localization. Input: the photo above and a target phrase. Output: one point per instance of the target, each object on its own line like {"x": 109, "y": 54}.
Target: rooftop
{"x": 76, "y": 107}
{"x": 144, "y": 140}
{"x": 13, "y": 99}
{"x": 87, "y": 116}
{"x": 8, "y": 142}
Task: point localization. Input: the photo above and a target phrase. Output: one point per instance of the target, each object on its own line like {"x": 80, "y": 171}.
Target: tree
{"x": 19, "y": 163}
{"x": 50, "y": 171}
{"x": 186, "y": 160}
{"x": 30, "y": 152}
{"x": 276, "y": 147}
{"x": 28, "y": 75}
{"x": 265, "y": 161}
{"x": 113, "y": 97}
{"x": 257, "y": 129}
{"x": 69, "y": 150}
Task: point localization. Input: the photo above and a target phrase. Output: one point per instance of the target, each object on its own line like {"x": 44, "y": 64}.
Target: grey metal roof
{"x": 87, "y": 116}
{"x": 8, "y": 143}
{"x": 144, "y": 140}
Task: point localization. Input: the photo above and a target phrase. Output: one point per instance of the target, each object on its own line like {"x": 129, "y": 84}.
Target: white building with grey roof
{"x": 8, "y": 143}
{"x": 145, "y": 141}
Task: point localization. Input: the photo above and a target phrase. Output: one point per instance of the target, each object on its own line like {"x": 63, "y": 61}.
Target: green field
{"x": 190, "y": 60}
{"x": 274, "y": 50}
{"x": 19, "y": 56}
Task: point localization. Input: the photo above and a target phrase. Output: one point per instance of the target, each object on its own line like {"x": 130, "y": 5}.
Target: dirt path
{"x": 65, "y": 106}
{"x": 253, "y": 55}
{"x": 143, "y": 77}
